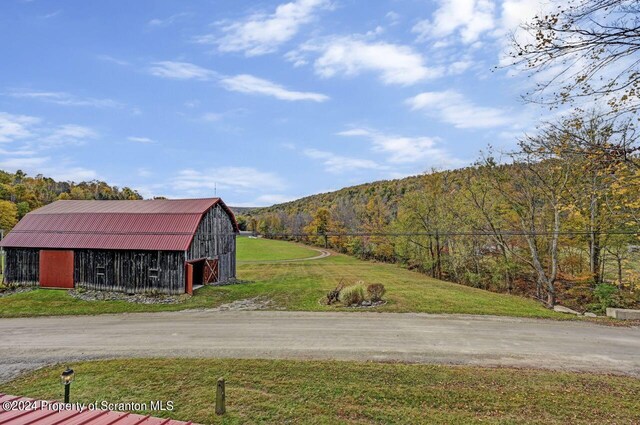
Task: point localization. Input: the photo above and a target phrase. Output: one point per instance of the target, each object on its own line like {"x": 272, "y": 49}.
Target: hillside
{"x": 553, "y": 224}
{"x": 390, "y": 191}
{"x": 20, "y": 194}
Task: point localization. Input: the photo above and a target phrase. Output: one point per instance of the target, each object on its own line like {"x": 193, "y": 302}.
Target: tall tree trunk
{"x": 551, "y": 297}
{"x": 619, "y": 262}
{"x": 594, "y": 241}
{"x": 543, "y": 280}
{"x": 507, "y": 274}
{"x": 433, "y": 257}
{"x": 438, "y": 260}
{"x": 551, "y": 280}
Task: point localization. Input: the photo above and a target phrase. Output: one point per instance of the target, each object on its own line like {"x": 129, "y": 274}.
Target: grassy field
{"x": 329, "y": 392}
{"x": 250, "y": 249}
{"x": 299, "y": 286}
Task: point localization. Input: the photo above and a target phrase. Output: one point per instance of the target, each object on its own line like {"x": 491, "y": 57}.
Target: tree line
{"x": 20, "y": 194}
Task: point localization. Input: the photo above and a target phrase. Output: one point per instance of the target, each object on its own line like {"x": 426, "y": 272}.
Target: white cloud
{"x": 393, "y": 17}
{"x": 460, "y": 66}
{"x": 454, "y": 108}
{"x": 467, "y": 18}
{"x": 263, "y": 33}
{"x": 22, "y": 163}
{"x": 271, "y": 199}
{"x": 64, "y": 99}
{"x": 338, "y": 164}
{"x": 144, "y": 172}
{"x": 144, "y": 140}
{"x": 18, "y": 152}
{"x": 36, "y": 138}
{"x": 403, "y": 149}
{"x": 111, "y": 59}
{"x": 353, "y": 55}
{"x": 516, "y": 12}
{"x": 253, "y": 85}
{"x": 31, "y": 131}
{"x": 163, "y": 22}
{"x": 13, "y": 127}
{"x": 50, "y": 15}
{"x": 243, "y": 83}
{"x": 236, "y": 178}
{"x": 68, "y": 134}
{"x": 212, "y": 116}
{"x": 75, "y": 174}
{"x": 181, "y": 71}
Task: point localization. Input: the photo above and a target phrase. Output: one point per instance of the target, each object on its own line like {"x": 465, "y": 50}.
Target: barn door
{"x": 56, "y": 269}
{"x": 210, "y": 271}
{"x": 188, "y": 268}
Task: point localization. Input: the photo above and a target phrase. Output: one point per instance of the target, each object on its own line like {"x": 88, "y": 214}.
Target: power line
{"x": 437, "y": 233}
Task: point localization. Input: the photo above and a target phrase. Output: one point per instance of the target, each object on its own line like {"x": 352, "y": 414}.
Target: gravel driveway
{"x": 423, "y": 338}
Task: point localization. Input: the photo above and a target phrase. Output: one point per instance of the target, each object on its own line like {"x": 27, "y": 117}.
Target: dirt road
{"x": 448, "y": 339}
{"x": 323, "y": 253}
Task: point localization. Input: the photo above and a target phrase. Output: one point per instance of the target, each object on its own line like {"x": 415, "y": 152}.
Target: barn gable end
{"x": 215, "y": 238}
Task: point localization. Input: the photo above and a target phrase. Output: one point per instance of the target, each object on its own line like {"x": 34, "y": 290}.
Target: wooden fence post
{"x": 220, "y": 397}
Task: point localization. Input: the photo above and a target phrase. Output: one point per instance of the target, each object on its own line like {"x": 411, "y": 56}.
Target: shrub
{"x": 376, "y": 291}
{"x": 474, "y": 279}
{"x": 334, "y": 295}
{"x": 606, "y": 296}
{"x": 352, "y": 295}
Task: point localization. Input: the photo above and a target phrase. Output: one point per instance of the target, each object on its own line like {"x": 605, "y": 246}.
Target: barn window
{"x": 154, "y": 268}
{"x": 100, "y": 270}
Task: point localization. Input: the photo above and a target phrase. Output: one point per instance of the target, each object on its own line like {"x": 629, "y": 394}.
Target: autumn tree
{"x": 8, "y": 215}
{"x": 425, "y": 213}
{"x": 318, "y": 228}
{"x": 375, "y": 217}
{"x": 586, "y": 50}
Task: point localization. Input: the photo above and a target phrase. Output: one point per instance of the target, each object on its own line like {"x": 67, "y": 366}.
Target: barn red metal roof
{"x": 48, "y": 413}
{"x": 161, "y": 224}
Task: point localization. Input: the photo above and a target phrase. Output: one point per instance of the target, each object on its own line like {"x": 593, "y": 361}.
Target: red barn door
{"x": 188, "y": 278}
{"x": 56, "y": 269}
{"x": 210, "y": 271}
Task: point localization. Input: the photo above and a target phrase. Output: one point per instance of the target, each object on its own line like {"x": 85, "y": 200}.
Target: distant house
{"x": 165, "y": 246}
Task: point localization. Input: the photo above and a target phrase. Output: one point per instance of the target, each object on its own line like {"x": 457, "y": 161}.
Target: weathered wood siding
{"x": 22, "y": 266}
{"x": 130, "y": 271}
{"x": 215, "y": 238}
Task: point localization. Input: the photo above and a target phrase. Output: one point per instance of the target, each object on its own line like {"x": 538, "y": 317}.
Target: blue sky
{"x": 266, "y": 100}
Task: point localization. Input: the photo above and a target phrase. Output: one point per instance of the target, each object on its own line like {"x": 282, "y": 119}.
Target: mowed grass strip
{"x": 254, "y": 249}
{"x": 330, "y": 392}
{"x": 299, "y": 286}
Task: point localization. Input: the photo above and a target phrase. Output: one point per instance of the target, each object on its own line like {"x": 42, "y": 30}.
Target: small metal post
{"x": 220, "y": 397}
{"x": 66, "y": 392}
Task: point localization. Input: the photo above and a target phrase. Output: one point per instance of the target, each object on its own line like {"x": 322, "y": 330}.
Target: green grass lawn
{"x": 250, "y": 249}
{"x": 330, "y": 392}
{"x": 299, "y": 286}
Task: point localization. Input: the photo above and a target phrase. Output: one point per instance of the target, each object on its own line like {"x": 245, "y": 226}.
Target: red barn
{"x": 164, "y": 246}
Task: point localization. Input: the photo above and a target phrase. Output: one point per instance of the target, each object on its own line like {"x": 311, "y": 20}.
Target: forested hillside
{"x": 557, "y": 219}
{"x": 20, "y": 194}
